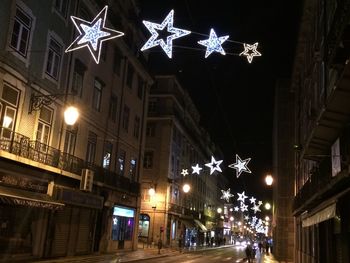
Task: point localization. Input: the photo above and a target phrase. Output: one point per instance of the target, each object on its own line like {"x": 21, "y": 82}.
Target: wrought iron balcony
{"x": 20, "y": 145}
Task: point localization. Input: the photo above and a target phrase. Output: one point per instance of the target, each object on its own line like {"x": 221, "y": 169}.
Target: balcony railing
{"x": 22, "y": 146}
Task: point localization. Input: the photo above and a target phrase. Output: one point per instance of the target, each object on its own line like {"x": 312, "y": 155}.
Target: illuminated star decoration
{"x": 244, "y": 207}
{"x": 196, "y": 169}
{"x": 241, "y": 197}
{"x": 252, "y": 200}
{"x": 167, "y": 22}
{"x": 214, "y": 165}
{"x": 184, "y": 172}
{"x": 213, "y": 43}
{"x": 256, "y": 208}
{"x": 236, "y": 208}
{"x": 226, "y": 195}
{"x": 240, "y": 165}
{"x": 250, "y": 51}
{"x": 115, "y": 221}
{"x": 93, "y": 34}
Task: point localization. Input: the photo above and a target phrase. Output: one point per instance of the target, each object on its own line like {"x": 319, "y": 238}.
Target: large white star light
{"x": 213, "y": 43}
{"x": 175, "y": 33}
{"x": 226, "y": 195}
{"x": 250, "y": 51}
{"x": 240, "y": 165}
{"x": 241, "y": 197}
{"x": 256, "y": 208}
{"x": 214, "y": 165}
{"x": 93, "y": 34}
{"x": 196, "y": 169}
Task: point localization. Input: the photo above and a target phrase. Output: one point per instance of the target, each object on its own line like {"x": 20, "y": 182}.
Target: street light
{"x": 219, "y": 210}
{"x": 267, "y": 206}
{"x": 71, "y": 113}
{"x": 269, "y": 179}
{"x": 186, "y": 188}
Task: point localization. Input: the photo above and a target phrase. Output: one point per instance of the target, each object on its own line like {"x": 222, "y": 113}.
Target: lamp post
{"x": 152, "y": 194}
{"x": 268, "y": 179}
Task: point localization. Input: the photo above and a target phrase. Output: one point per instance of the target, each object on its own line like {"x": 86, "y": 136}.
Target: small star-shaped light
{"x": 196, "y": 169}
{"x": 240, "y": 165}
{"x": 226, "y": 195}
{"x": 260, "y": 203}
{"x": 214, "y": 165}
{"x": 244, "y": 207}
{"x": 115, "y": 220}
{"x": 93, "y": 34}
{"x": 213, "y": 43}
{"x": 175, "y": 33}
{"x": 236, "y": 208}
{"x": 250, "y": 51}
{"x": 241, "y": 197}
{"x": 184, "y": 172}
{"x": 246, "y": 218}
{"x": 256, "y": 208}
{"x": 252, "y": 200}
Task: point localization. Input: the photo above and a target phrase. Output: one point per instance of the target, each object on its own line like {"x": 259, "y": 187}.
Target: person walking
{"x": 248, "y": 253}
{"x": 260, "y": 245}
{"x": 160, "y": 245}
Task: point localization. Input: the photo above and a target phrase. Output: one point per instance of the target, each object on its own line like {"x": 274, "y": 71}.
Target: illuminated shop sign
{"x": 125, "y": 212}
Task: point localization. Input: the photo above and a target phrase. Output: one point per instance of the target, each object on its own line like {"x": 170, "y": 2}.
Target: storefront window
{"x": 143, "y": 225}
{"x": 123, "y": 223}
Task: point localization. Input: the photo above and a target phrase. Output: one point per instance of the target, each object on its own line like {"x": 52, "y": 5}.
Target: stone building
{"x": 322, "y": 112}
{"x": 69, "y": 189}
{"x": 175, "y": 141}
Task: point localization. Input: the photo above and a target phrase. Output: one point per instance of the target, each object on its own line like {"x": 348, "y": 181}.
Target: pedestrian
{"x": 212, "y": 241}
{"x": 207, "y": 241}
{"x": 248, "y": 253}
{"x": 180, "y": 244}
{"x": 160, "y": 245}
{"x": 267, "y": 247}
{"x": 260, "y": 245}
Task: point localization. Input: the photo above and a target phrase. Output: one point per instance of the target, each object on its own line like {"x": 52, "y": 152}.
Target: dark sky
{"x": 235, "y": 98}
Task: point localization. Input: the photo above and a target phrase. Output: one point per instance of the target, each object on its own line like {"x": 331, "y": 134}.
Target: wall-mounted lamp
{"x": 71, "y": 113}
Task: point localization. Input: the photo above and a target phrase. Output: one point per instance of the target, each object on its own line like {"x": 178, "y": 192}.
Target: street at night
{"x": 174, "y": 131}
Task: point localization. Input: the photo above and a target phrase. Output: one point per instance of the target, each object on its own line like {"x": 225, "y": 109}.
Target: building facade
{"x": 69, "y": 189}
{"x": 322, "y": 113}
{"x": 283, "y": 171}
{"x": 175, "y": 141}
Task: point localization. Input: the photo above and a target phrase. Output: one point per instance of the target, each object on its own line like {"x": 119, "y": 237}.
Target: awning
{"x": 188, "y": 223}
{"x": 320, "y": 216}
{"x": 14, "y": 196}
{"x": 200, "y": 225}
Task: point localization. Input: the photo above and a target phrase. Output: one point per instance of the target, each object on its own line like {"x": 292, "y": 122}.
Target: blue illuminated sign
{"x": 125, "y": 212}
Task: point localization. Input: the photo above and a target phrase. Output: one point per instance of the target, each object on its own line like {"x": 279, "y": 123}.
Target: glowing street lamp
{"x": 151, "y": 191}
{"x": 219, "y": 210}
{"x": 269, "y": 179}
{"x": 186, "y": 188}
{"x": 71, "y": 115}
{"x": 267, "y": 206}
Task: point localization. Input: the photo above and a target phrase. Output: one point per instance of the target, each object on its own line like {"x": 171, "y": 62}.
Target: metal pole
{"x": 154, "y": 216}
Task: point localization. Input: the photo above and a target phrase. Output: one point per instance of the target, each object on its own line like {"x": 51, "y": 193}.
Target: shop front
{"x": 24, "y": 213}
{"x": 123, "y": 224}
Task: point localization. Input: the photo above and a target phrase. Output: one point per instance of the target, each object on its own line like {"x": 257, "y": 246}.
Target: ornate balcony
{"x": 20, "y": 145}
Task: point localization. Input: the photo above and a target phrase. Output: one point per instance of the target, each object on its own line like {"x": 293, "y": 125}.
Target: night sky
{"x": 235, "y": 98}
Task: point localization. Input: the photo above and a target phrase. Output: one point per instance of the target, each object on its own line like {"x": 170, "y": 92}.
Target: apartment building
{"x": 69, "y": 189}
{"x": 322, "y": 112}
{"x": 176, "y": 141}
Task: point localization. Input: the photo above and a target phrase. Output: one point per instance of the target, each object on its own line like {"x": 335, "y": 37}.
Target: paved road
{"x": 228, "y": 254}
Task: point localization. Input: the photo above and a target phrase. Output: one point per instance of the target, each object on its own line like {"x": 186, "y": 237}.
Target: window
{"x": 91, "y": 148}
{"x": 132, "y": 171}
{"x": 61, "y": 6}
{"x": 22, "y": 26}
{"x": 136, "y": 126}
{"x": 129, "y": 75}
{"x": 126, "y": 114}
{"x": 140, "y": 88}
{"x": 107, "y": 155}
{"x": 53, "y": 59}
{"x": 113, "y": 108}
{"x": 150, "y": 129}
{"x": 8, "y": 109}
{"x": 121, "y": 162}
{"x": 152, "y": 106}
{"x": 44, "y": 126}
{"x": 148, "y": 160}
{"x": 117, "y": 61}
{"x": 69, "y": 141}
{"x": 97, "y": 96}
{"x": 78, "y": 78}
